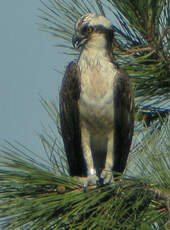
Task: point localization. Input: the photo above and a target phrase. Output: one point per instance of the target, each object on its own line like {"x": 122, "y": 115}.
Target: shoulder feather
{"x": 69, "y": 120}
{"x": 123, "y": 119}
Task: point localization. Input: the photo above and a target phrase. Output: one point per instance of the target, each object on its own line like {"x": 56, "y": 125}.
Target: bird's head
{"x": 90, "y": 27}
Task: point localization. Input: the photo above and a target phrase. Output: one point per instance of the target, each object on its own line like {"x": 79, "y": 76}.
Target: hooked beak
{"x": 78, "y": 40}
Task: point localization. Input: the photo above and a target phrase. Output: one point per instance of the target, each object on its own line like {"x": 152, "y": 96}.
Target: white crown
{"x": 92, "y": 20}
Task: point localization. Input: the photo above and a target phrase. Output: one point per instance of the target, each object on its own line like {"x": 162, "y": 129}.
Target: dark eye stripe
{"x": 84, "y": 29}
{"x": 100, "y": 28}
{"x": 97, "y": 28}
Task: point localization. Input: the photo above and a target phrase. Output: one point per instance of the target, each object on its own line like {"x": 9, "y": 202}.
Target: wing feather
{"x": 70, "y": 122}
{"x": 123, "y": 120}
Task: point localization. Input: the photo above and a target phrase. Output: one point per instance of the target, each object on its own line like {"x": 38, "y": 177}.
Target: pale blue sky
{"x": 27, "y": 62}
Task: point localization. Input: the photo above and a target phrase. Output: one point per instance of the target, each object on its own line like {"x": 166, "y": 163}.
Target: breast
{"x": 96, "y": 97}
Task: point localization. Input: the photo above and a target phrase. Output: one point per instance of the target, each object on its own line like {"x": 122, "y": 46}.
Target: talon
{"x": 107, "y": 177}
{"x": 99, "y": 182}
{"x": 86, "y": 181}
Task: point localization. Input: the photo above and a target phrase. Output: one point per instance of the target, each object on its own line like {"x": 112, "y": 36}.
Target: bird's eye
{"x": 89, "y": 30}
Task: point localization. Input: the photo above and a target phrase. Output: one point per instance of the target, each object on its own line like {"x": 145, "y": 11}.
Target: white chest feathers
{"x": 97, "y": 79}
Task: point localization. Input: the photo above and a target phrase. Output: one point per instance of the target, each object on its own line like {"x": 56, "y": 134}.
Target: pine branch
{"x": 44, "y": 201}
{"x": 151, "y": 59}
{"x": 44, "y": 197}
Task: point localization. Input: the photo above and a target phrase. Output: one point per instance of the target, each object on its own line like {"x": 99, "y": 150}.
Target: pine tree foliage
{"x": 35, "y": 196}
{"x": 39, "y": 194}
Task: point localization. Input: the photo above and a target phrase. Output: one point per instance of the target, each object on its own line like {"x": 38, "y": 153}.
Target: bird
{"x": 96, "y": 106}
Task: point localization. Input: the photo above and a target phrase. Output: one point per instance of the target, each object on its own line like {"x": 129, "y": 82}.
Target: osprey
{"x": 96, "y": 106}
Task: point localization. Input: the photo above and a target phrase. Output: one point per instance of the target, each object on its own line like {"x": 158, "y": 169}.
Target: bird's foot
{"x": 106, "y": 177}
{"x": 87, "y": 181}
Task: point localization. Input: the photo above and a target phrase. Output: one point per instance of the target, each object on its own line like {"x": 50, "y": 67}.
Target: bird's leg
{"x": 91, "y": 172}
{"x": 106, "y": 176}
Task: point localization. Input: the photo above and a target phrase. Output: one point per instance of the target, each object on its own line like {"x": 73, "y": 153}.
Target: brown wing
{"x": 70, "y": 124}
{"x": 123, "y": 119}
